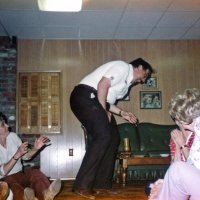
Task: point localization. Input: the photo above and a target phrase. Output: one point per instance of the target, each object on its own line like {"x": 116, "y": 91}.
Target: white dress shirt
{"x": 120, "y": 74}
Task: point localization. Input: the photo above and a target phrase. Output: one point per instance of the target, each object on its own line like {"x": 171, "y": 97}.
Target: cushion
{"x": 154, "y": 137}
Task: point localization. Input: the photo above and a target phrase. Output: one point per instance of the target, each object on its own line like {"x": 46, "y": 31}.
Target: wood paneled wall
{"x": 177, "y": 65}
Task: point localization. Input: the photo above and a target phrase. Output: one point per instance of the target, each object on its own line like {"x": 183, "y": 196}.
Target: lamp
{"x": 60, "y": 5}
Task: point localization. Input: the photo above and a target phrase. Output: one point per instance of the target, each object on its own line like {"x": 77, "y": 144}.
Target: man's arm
{"x": 129, "y": 116}
{"x": 102, "y": 91}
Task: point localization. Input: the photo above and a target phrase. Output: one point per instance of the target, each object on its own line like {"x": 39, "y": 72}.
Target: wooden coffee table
{"x": 125, "y": 159}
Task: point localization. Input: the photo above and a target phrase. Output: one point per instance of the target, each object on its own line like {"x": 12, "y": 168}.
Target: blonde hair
{"x": 185, "y": 107}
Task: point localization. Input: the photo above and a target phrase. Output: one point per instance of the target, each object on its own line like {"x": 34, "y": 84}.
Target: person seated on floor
{"x": 29, "y": 183}
{"x": 183, "y": 178}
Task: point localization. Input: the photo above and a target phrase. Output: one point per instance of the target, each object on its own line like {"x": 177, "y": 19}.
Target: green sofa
{"x": 146, "y": 139}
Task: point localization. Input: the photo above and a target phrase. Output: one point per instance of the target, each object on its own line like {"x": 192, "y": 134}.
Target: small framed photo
{"x": 151, "y": 83}
{"x": 150, "y": 100}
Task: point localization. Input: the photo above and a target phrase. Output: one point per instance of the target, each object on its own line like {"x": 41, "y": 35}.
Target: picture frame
{"x": 150, "y": 99}
{"x": 151, "y": 83}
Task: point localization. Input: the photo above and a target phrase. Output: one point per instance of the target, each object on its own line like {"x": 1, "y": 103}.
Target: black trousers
{"x": 97, "y": 167}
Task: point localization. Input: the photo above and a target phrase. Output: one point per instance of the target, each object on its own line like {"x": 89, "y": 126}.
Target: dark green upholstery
{"x": 146, "y": 139}
{"x": 128, "y": 130}
{"x": 154, "y": 138}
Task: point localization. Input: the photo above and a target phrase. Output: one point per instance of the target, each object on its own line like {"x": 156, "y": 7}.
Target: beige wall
{"x": 177, "y": 67}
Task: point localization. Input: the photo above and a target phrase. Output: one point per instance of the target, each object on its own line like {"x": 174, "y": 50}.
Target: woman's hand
{"x": 178, "y": 137}
{"x": 40, "y": 142}
{"x": 23, "y": 149}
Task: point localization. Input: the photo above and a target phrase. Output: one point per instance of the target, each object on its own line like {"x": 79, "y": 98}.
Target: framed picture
{"x": 150, "y": 100}
{"x": 151, "y": 83}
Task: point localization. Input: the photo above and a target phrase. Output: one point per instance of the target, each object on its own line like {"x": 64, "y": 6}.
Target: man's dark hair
{"x": 3, "y": 118}
{"x": 139, "y": 61}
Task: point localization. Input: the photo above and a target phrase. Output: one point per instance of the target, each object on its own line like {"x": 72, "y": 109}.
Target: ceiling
{"x": 103, "y": 19}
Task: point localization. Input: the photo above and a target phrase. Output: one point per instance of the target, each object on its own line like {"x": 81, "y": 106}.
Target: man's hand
{"x": 130, "y": 117}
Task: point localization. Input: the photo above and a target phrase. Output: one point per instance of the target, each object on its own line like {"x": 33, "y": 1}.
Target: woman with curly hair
{"x": 182, "y": 179}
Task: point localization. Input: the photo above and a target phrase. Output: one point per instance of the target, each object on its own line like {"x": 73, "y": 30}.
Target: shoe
{"x": 53, "y": 190}
{"x": 4, "y": 190}
{"x": 84, "y": 193}
{"x": 29, "y": 194}
{"x": 106, "y": 191}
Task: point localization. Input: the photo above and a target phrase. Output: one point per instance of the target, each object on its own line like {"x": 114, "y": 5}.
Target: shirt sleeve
{"x": 117, "y": 72}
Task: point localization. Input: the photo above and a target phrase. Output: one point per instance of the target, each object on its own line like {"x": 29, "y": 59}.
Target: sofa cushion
{"x": 154, "y": 138}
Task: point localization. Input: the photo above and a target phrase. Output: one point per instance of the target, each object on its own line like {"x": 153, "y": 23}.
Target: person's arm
{"x": 102, "y": 91}
{"x": 179, "y": 141}
{"x": 182, "y": 145}
{"x": 177, "y": 155}
{"x": 7, "y": 167}
{"x": 24, "y": 153}
{"x": 172, "y": 148}
{"x": 130, "y": 117}
{"x": 185, "y": 151}
{"x": 39, "y": 143}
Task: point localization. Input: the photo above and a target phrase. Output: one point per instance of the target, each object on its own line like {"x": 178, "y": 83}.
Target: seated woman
{"x": 180, "y": 143}
{"x": 28, "y": 184}
{"x": 183, "y": 178}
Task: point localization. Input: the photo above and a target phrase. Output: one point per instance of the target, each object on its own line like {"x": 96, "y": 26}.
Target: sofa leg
{"x": 124, "y": 176}
{"x": 118, "y": 171}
